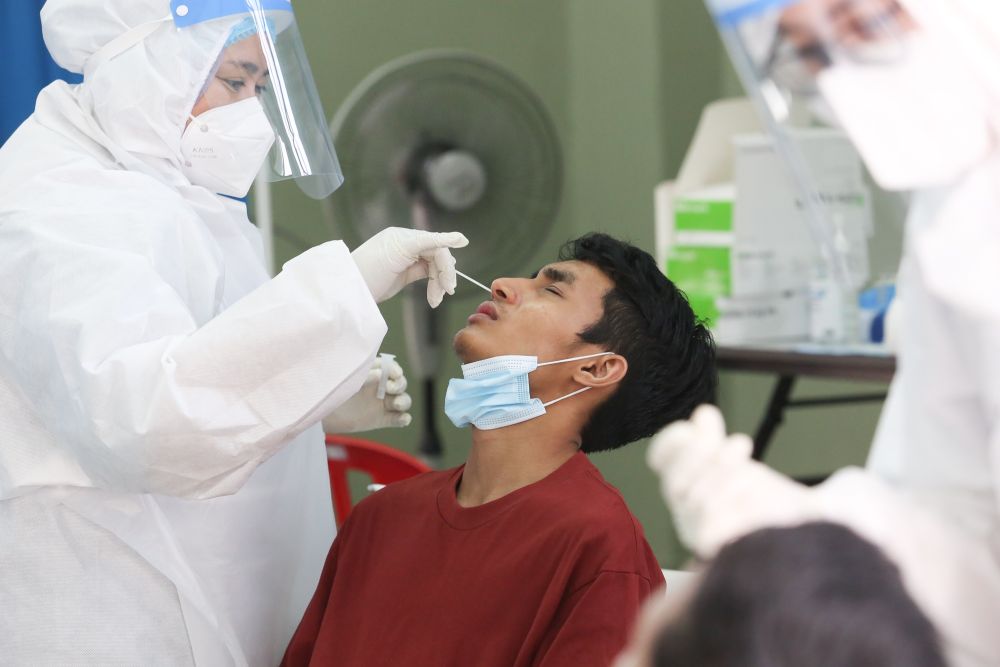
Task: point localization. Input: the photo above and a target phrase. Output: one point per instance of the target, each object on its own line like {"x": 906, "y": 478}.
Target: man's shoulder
{"x": 587, "y": 520}
{"x": 585, "y": 493}
{"x": 588, "y": 505}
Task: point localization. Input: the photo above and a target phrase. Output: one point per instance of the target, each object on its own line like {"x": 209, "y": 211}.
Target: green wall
{"x": 625, "y": 83}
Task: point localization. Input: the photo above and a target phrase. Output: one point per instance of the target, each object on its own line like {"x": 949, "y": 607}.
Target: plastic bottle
{"x": 833, "y": 306}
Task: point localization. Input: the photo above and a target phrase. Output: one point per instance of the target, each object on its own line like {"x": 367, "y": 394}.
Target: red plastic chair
{"x": 382, "y": 463}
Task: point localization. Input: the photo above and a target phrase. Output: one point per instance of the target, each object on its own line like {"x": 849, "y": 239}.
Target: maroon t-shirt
{"x": 551, "y": 574}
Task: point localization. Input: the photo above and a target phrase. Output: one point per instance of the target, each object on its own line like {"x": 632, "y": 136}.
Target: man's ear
{"x": 604, "y": 371}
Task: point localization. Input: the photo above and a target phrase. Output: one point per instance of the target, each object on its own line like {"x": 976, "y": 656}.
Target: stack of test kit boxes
{"x": 731, "y": 232}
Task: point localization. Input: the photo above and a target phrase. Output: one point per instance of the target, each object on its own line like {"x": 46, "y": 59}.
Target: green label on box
{"x": 703, "y": 215}
{"x": 703, "y": 273}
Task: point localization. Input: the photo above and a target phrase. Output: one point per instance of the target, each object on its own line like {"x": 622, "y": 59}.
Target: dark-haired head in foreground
{"x": 816, "y": 594}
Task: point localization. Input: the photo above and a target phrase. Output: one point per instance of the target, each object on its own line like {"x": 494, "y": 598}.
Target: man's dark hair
{"x": 647, "y": 320}
{"x": 815, "y": 594}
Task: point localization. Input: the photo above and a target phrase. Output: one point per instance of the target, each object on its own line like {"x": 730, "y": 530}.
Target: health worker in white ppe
{"x": 164, "y": 497}
{"x": 916, "y": 85}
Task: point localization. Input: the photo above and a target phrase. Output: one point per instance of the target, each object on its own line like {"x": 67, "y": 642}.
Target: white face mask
{"x": 919, "y": 121}
{"x": 224, "y": 148}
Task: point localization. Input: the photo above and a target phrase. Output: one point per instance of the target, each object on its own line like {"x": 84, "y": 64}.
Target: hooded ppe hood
{"x": 141, "y": 98}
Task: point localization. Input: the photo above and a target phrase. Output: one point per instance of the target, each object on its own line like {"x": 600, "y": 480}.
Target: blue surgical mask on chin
{"x": 494, "y": 392}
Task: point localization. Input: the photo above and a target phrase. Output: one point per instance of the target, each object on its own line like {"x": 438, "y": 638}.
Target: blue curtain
{"x": 28, "y": 66}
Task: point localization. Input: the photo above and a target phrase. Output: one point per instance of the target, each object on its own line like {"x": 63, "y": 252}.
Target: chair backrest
{"x": 382, "y": 463}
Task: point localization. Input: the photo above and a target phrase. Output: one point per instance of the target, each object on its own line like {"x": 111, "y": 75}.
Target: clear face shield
{"x": 809, "y": 36}
{"x": 904, "y": 80}
{"x": 263, "y": 57}
{"x": 781, "y": 50}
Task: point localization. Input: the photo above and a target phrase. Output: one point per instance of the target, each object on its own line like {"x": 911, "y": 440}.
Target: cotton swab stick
{"x": 474, "y": 282}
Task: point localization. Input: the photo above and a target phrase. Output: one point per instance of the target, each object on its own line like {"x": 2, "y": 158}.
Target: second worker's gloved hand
{"x": 396, "y": 257}
{"x": 714, "y": 490}
{"x": 366, "y": 411}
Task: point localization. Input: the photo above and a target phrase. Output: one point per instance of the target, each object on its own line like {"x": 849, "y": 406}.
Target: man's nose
{"x": 504, "y": 290}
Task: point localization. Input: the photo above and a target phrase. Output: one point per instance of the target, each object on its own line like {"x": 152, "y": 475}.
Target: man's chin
{"x": 466, "y": 346}
{"x": 460, "y": 344}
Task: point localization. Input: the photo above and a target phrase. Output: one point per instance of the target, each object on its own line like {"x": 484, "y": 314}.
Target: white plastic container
{"x": 833, "y": 316}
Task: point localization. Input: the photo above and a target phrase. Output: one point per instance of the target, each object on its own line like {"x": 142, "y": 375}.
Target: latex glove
{"x": 656, "y": 613}
{"x": 715, "y": 491}
{"x": 396, "y": 257}
{"x": 365, "y": 411}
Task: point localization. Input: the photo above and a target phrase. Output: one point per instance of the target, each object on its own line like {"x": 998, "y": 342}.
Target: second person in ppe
{"x": 915, "y": 84}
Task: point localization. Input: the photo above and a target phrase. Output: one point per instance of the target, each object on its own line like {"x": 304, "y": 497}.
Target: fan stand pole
{"x": 422, "y": 327}
{"x": 263, "y": 216}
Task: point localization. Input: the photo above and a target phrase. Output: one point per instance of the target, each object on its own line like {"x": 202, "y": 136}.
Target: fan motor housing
{"x": 447, "y": 140}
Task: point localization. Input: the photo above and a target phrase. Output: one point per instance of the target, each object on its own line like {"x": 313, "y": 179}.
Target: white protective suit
{"x": 149, "y": 370}
{"x": 930, "y": 492}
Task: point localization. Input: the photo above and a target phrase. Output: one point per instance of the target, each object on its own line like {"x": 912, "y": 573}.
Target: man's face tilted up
{"x": 539, "y": 316}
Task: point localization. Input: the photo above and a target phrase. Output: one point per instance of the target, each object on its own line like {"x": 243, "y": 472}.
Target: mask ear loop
{"x": 563, "y": 398}
{"x": 565, "y": 361}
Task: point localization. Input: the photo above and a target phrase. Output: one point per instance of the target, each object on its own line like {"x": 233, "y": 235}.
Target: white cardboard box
{"x": 696, "y": 253}
{"x": 748, "y": 274}
{"x": 776, "y": 248}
